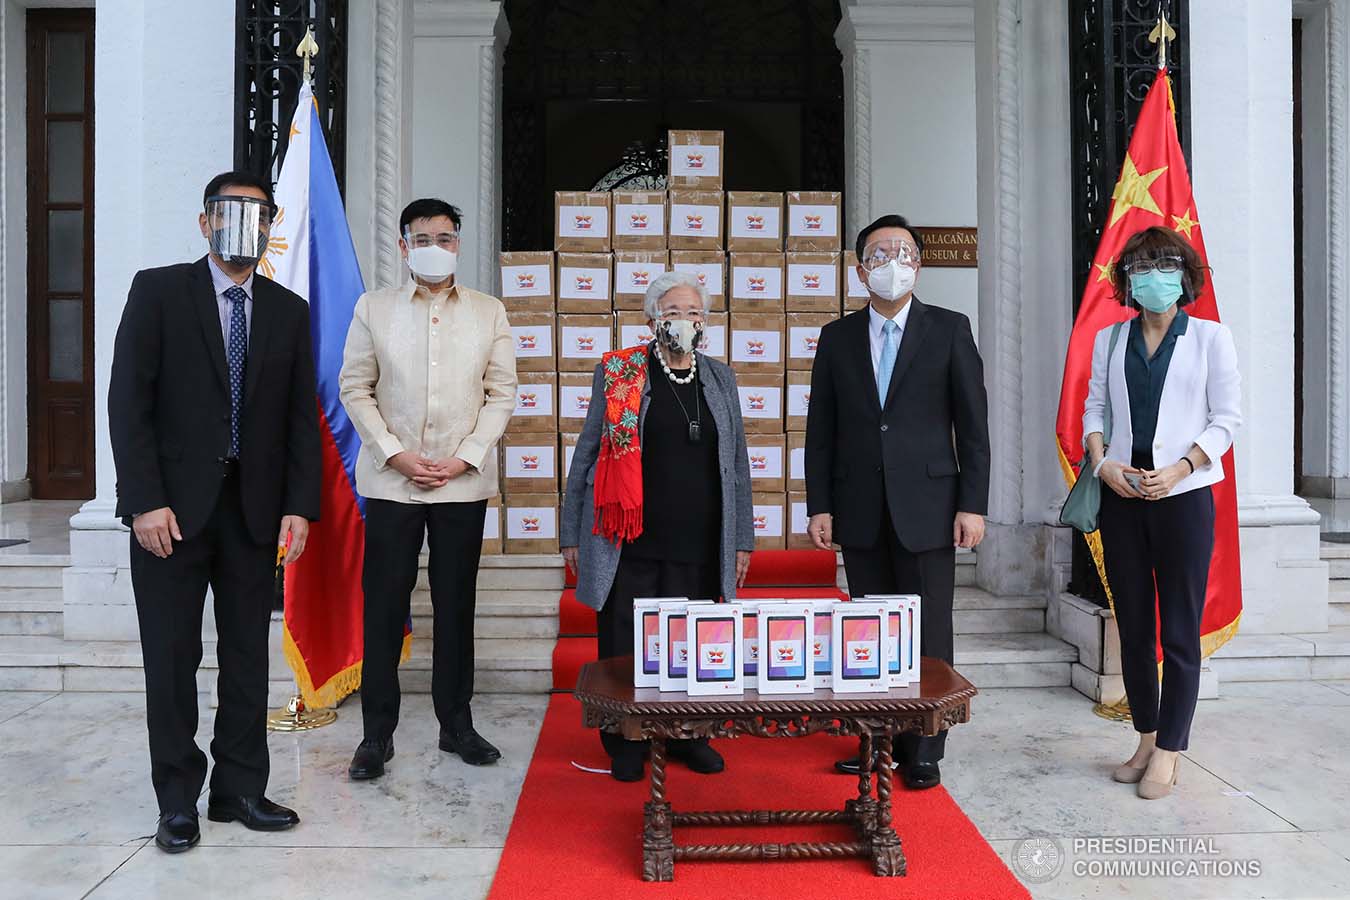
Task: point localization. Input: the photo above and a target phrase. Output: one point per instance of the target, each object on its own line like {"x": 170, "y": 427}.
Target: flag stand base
{"x": 1116, "y": 712}
{"x": 295, "y": 716}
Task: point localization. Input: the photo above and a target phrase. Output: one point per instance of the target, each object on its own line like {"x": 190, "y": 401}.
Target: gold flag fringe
{"x": 335, "y": 689}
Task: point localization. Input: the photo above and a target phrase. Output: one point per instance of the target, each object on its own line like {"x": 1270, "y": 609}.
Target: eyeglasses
{"x": 1165, "y": 264}
{"x": 877, "y": 255}
{"x": 446, "y": 240}
{"x": 674, "y": 315}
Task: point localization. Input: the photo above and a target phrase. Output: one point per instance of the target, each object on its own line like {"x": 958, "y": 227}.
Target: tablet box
{"x": 858, "y": 648}
{"x": 766, "y": 513}
{"x": 757, "y": 342}
{"x": 813, "y": 282}
{"x": 904, "y": 631}
{"x": 582, "y": 340}
{"x": 695, "y": 159}
{"x": 767, "y": 466}
{"x": 710, "y": 268}
{"x": 584, "y": 282}
{"x": 639, "y": 220}
{"x": 535, "y": 408}
{"x": 581, "y": 221}
{"x": 716, "y": 641}
{"x": 797, "y": 538}
{"x": 531, "y": 523}
{"x": 568, "y": 443}
{"x": 796, "y": 461}
{"x": 695, "y": 220}
{"x": 492, "y": 527}
{"x": 634, "y": 271}
{"x": 530, "y": 463}
{"x": 855, "y": 292}
{"x": 755, "y": 221}
{"x": 822, "y": 614}
{"x": 647, "y": 641}
{"x": 756, "y": 281}
{"x": 673, "y": 638}
{"x": 812, "y": 221}
{"x": 574, "y": 400}
{"x": 785, "y": 629}
{"x": 798, "y": 399}
{"x": 633, "y": 329}
{"x": 761, "y": 399}
{"x": 750, "y": 639}
{"x": 715, "y": 336}
{"x": 533, "y": 333}
{"x": 803, "y": 337}
{"x": 527, "y": 280}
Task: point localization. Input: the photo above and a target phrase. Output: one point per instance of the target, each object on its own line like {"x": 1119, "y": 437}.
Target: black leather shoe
{"x": 627, "y": 767}
{"x": 922, "y": 775}
{"x": 698, "y": 756}
{"x": 369, "y": 759}
{"x": 851, "y": 766}
{"x": 254, "y": 813}
{"x": 177, "y": 832}
{"x": 470, "y": 746}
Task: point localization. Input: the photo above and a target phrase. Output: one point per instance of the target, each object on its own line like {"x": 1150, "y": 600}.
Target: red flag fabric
{"x": 1154, "y": 188}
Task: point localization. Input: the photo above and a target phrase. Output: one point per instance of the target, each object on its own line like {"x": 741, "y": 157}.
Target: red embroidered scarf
{"x": 618, "y": 468}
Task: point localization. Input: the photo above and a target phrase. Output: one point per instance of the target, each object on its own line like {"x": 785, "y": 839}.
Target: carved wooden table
{"x": 610, "y": 702}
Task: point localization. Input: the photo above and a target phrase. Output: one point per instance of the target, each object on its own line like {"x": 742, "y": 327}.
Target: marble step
{"x": 1284, "y": 657}
{"x": 31, "y": 570}
{"x": 1014, "y": 660}
{"x": 1338, "y": 599}
{"x": 965, "y": 570}
{"x": 499, "y": 614}
{"x": 35, "y": 611}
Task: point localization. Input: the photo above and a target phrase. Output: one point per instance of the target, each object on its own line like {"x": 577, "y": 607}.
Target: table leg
{"x": 658, "y": 837}
{"x": 887, "y": 856}
{"x": 864, "y": 808}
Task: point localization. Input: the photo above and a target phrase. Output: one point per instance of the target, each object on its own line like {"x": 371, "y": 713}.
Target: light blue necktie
{"x": 890, "y": 346}
{"x": 236, "y": 354}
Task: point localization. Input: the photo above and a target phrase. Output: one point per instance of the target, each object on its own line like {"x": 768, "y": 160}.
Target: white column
{"x": 1241, "y": 122}
{"x": 13, "y": 261}
{"x": 167, "y": 114}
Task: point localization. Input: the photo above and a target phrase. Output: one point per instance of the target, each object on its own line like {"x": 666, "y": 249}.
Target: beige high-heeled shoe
{"x": 1156, "y": 790}
{"x": 1128, "y": 774}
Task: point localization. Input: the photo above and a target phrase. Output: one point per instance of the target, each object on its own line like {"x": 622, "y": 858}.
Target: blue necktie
{"x": 236, "y": 354}
{"x": 890, "y": 346}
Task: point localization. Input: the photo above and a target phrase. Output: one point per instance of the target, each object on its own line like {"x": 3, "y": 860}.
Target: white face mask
{"x": 432, "y": 264}
{"x": 892, "y": 281}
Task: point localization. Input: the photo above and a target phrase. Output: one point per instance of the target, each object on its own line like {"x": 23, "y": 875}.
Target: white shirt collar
{"x": 222, "y": 282}
{"x": 876, "y": 321}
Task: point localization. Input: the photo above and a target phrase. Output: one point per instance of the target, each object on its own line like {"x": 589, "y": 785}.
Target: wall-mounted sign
{"x": 956, "y": 247}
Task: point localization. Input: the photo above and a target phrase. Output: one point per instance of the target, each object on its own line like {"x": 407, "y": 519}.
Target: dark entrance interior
{"x": 590, "y": 89}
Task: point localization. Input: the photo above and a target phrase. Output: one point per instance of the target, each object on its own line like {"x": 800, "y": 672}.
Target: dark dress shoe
{"x": 369, "y": 759}
{"x": 851, "y": 765}
{"x": 255, "y": 813}
{"x": 627, "y": 767}
{"x": 177, "y": 832}
{"x": 698, "y": 756}
{"x": 470, "y": 746}
{"x": 922, "y": 775}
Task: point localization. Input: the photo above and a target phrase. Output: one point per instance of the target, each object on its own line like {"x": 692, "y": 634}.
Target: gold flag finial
{"x": 1160, "y": 35}
{"x": 308, "y": 49}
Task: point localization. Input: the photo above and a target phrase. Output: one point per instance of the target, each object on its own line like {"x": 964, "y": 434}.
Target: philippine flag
{"x": 311, "y": 253}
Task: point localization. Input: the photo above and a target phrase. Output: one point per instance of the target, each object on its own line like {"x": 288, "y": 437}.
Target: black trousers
{"x": 890, "y": 568}
{"x": 170, "y": 596}
{"x": 1159, "y": 549}
{"x": 394, "y": 534}
{"x": 637, "y": 577}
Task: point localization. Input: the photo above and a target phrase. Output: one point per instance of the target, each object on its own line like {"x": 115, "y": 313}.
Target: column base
{"x": 1012, "y": 559}
{"x": 1284, "y": 578}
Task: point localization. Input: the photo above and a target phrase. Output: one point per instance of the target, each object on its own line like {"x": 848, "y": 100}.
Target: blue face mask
{"x": 1156, "y": 291}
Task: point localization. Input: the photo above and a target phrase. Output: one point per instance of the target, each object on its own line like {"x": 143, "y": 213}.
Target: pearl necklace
{"x": 665, "y": 367}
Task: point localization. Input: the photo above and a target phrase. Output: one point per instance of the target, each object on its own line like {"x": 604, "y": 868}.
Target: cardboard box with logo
{"x": 531, "y": 523}
{"x": 530, "y": 463}
{"x": 797, "y": 538}
{"x": 585, "y": 283}
{"x": 715, "y": 336}
{"x": 813, "y": 282}
{"x": 761, "y": 398}
{"x": 696, "y": 159}
{"x": 813, "y": 221}
{"x": 803, "y": 337}
{"x": 755, "y": 221}
{"x": 756, "y": 281}
{"x": 634, "y": 270}
{"x": 533, "y": 334}
{"x": 796, "y": 460}
{"x": 574, "y": 399}
{"x": 632, "y": 328}
{"x": 492, "y": 527}
{"x": 695, "y": 220}
{"x": 639, "y": 220}
{"x": 581, "y": 221}
{"x": 710, "y": 268}
{"x": 527, "y": 281}
{"x": 756, "y": 342}
{"x": 855, "y": 292}
{"x": 582, "y": 340}
{"x": 568, "y": 443}
{"x": 798, "y": 399}
{"x": 768, "y": 463}
{"x": 767, "y": 515}
{"x": 536, "y": 408}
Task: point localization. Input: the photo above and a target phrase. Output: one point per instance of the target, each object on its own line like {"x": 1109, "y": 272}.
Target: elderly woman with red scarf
{"x": 658, "y": 497}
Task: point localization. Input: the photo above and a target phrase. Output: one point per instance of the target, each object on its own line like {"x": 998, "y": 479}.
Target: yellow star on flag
{"x": 1132, "y": 191}
{"x": 1106, "y": 271}
{"x": 294, "y": 130}
{"x": 1184, "y": 222}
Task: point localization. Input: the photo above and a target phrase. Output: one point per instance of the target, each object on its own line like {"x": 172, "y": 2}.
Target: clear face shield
{"x": 239, "y": 228}
{"x": 878, "y": 253}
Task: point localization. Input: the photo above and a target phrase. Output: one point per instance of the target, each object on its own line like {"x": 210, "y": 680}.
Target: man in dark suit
{"x": 897, "y": 450}
{"x": 211, "y": 409}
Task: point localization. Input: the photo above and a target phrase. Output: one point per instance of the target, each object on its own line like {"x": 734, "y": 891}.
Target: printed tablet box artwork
{"x": 823, "y": 616}
{"x": 785, "y": 628}
{"x": 673, "y": 634}
{"x": 715, "y": 633}
{"x": 647, "y": 639}
{"x": 904, "y": 630}
{"x": 858, "y": 649}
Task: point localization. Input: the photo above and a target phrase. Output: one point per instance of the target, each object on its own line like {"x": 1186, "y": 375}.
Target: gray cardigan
{"x": 598, "y": 558}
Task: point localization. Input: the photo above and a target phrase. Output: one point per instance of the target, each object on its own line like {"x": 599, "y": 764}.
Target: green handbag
{"x": 1084, "y": 502}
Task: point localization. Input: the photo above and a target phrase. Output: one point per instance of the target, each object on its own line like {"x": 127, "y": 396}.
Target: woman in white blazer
{"x": 1175, "y": 398}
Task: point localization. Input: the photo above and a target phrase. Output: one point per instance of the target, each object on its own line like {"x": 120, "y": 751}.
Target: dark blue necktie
{"x": 236, "y": 354}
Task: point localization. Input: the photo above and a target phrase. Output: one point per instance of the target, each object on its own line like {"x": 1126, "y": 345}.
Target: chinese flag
{"x": 1154, "y": 189}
